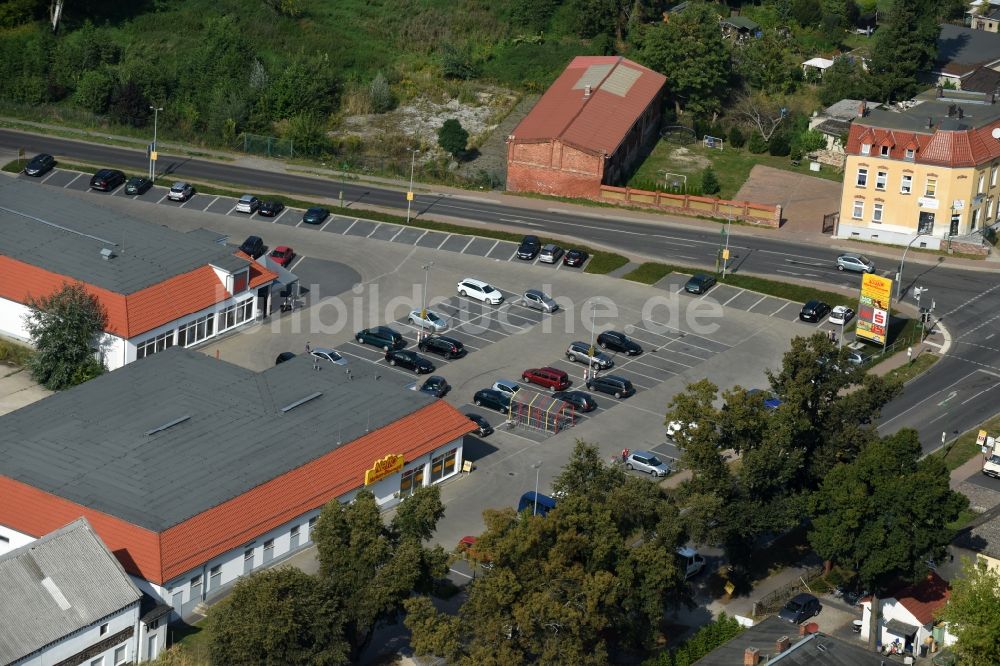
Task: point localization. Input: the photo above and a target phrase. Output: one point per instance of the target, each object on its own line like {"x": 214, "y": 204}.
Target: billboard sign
{"x": 873, "y": 308}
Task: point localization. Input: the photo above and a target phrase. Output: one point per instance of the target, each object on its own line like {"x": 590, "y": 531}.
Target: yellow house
{"x": 927, "y": 174}
{"x": 982, "y": 542}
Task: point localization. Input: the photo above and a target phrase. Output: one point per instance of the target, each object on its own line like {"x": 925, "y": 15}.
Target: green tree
{"x": 885, "y": 513}
{"x": 569, "y": 587}
{"x": 736, "y": 138}
{"x": 307, "y": 133}
{"x": 904, "y": 48}
{"x": 807, "y": 13}
{"x": 458, "y": 63}
{"x": 453, "y": 137}
{"x": 709, "y": 181}
{"x": 93, "y": 91}
{"x": 276, "y": 617}
{"x": 764, "y": 64}
{"x": 128, "y": 105}
{"x": 690, "y": 52}
{"x": 973, "y": 614}
{"x": 843, "y": 80}
{"x": 65, "y": 329}
{"x": 757, "y": 144}
{"x": 370, "y": 568}
{"x": 305, "y": 85}
{"x": 16, "y": 12}
{"x": 779, "y": 145}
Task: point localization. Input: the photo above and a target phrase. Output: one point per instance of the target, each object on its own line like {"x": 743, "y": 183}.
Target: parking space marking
{"x": 742, "y": 291}
{"x": 350, "y": 227}
{"x": 160, "y": 200}
{"x": 377, "y": 225}
{"x": 72, "y": 181}
{"x": 397, "y": 233}
{"x": 326, "y": 224}
{"x": 295, "y": 263}
{"x": 444, "y": 241}
{"x": 756, "y": 304}
{"x": 48, "y": 176}
{"x": 512, "y": 256}
{"x": 229, "y": 212}
{"x": 279, "y": 216}
{"x": 493, "y": 247}
{"x": 638, "y": 361}
{"x": 783, "y": 306}
{"x": 472, "y": 238}
{"x": 210, "y": 204}
{"x": 419, "y": 237}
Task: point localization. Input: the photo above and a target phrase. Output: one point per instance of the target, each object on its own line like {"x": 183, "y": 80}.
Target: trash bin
{"x": 923, "y": 650}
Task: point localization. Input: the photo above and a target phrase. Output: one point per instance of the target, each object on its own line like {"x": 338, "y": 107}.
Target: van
{"x": 537, "y": 503}
{"x": 691, "y": 561}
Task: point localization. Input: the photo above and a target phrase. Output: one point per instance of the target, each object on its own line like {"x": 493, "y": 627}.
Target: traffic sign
{"x": 981, "y": 438}
{"x": 152, "y": 156}
{"x": 725, "y": 254}
{"x": 409, "y": 196}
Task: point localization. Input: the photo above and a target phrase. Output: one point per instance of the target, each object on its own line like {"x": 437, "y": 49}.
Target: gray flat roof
{"x": 914, "y": 119}
{"x": 57, "y": 585}
{"x": 171, "y": 435}
{"x": 961, "y": 49}
{"x": 65, "y": 235}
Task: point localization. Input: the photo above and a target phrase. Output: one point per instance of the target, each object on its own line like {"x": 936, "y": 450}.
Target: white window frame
{"x": 862, "y": 179}
{"x": 235, "y": 315}
{"x": 989, "y": 208}
{"x": 866, "y": 148}
{"x": 858, "y": 212}
{"x": 975, "y": 220}
{"x": 982, "y": 183}
{"x": 155, "y": 344}
{"x": 215, "y": 577}
{"x": 881, "y": 178}
{"x": 906, "y": 184}
{"x": 878, "y": 212}
{"x": 910, "y": 152}
{"x": 993, "y": 176}
{"x": 121, "y": 650}
{"x": 196, "y": 331}
{"x": 885, "y": 151}
{"x": 930, "y": 188}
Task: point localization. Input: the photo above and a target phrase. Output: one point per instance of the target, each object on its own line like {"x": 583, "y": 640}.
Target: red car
{"x": 282, "y": 255}
{"x": 551, "y": 378}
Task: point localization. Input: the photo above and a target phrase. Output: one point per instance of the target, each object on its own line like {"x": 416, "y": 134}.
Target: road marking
{"x": 980, "y": 393}
{"x": 72, "y": 181}
{"x": 462, "y": 251}
{"x": 444, "y": 241}
{"x": 279, "y": 216}
{"x": 734, "y": 297}
{"x": 296, "y": 263}
{"x": 497, "y": 242}
{"x": 912, "y": 407}
{"x": 326, "y": 224}
{"x": 512, "y": 256}
{"x": 229, "y": 213}
{"x": 785, "y": 305}
{"x": 419, "y": 237}
{"x": 374, "y": 230}
{"x": 210, "y": 205}
{"x": 756, "y": 304}
{"x": 344, "y": 233}
{"x": 48, "y": 176}
{"x": 989, "y": 336}
{"x": 397, "y": 233}
{"x": 459, "y": 573}
{"x": 778, "y": 270}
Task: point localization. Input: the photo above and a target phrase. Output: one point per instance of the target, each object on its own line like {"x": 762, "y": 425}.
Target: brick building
{"x": 588, "y": 129}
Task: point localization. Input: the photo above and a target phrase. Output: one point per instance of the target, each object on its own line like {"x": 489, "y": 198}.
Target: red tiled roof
{"x": 925, "y": 598}
{"x": 620, "y": 91}
{"x": 136, "y": 313}
{"x": 952, "y": 148}
{"x": 161, "y": 557}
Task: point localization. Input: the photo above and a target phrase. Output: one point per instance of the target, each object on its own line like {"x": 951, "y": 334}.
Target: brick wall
{"x": 552, "y": 167}
{"x": 763, "y": 215}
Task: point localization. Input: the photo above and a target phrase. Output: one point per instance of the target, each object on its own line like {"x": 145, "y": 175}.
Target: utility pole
{"x": 537, "y": 466}
{"x": 152, "y": 149}
{"x": 409, "y": 193}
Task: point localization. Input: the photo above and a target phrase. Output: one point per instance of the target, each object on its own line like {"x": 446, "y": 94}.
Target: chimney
{"x": 781, "y": 644}
{"x": 586, "y": 92}
{"x": 861, "y": 110}
{"x": 751, "y": 656}
{"x": 802, "y": 629}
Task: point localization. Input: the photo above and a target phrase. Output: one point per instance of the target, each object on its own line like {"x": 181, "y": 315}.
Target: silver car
{"x": 855, "y": 262}
{"x": 539, "y": 300}
{"x": 328, "y": 355}
{"x": 581, "y": 352}
{"x": 646, "y": 461}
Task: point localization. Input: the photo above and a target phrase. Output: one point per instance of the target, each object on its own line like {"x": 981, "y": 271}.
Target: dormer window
{"x": 885, "y": 151}
{"x": 866, "y": 149}
{"x": 910, "y": 153}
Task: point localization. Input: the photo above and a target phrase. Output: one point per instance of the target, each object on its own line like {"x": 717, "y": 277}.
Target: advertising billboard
{"x": 873, "y": 308}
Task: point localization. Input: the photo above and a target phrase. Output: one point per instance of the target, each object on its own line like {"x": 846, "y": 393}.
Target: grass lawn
{"x": 920, "y": 365}
{"x": 964, "y": 448}
{"x": 731, "y": 166}
{"x": 652, "y": 272}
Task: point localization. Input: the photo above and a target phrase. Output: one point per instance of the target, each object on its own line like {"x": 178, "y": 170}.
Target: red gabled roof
{"x": 160, "y": 557}
{"x": 621, "y": 90}
{"x": 951, "y": 148}
{"x": 925, "y": 598}
{"x": 132, "y": 315}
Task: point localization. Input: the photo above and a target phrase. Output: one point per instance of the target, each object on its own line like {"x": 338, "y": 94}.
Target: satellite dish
{"x": 995, "y": 133}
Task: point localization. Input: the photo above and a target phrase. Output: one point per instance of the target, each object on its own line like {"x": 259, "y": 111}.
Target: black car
{"x": 493, "y": 399}
{"x": 39, "y": 165}
{"x": 699, "y": 283}
{"x": 612, "y": 385}
{"x": 253, "y": 245}
{"x": 380, "y": 336}
{"x": 581, "y": 400}
{"x": 618, "y": 342}
{"x": 484, "y": 426}
{"x": 284, "y": 356}
{"x": 436, "y": 385}
{"x": 410, "y": 360}
{"x": 799, "y": 608}
{"x": 442, "y": 346}
{"x": 138, "y": 185}
{"x": 529, "y": 247}
{"x": 106, "y": 180}
{"x": 575, "y": 258}
{"x": 814, "y": 311}
{"x": 270, "y": 208}
{"x": 315, "y": 215}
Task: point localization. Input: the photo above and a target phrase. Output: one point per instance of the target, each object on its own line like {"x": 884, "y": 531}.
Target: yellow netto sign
{"x": 873, "y": 308}
{"x": 387, "y": 466}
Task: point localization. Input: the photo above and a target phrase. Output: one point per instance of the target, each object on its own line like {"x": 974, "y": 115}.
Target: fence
{"x": 773, "y": 601}
{"x": 764, "y": 215}
{"x": 269, "y": 146}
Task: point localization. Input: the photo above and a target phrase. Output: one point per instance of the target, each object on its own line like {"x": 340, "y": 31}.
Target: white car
{"x": 429, "y": 319}
{"x": 248, "y": 203}
{"x": 840, "y": 315}
{"x": 507, "y": 387}
{"x": 480, "y": 291}
{"x": 675, "y": 429}
{"x": 180, "y": 192}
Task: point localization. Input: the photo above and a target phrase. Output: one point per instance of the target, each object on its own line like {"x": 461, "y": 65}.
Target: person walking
{"x": 625, "y": 453}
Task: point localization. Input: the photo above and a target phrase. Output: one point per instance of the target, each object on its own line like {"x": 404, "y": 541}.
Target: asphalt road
{"x": 968, "y": 302}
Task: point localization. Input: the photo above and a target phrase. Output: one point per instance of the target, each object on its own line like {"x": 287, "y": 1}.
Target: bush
{"x": 779, "y": 145}
{"x": 453, "y": 137}
{"x": 380, "y": 95}
{"x": 705, "y": 640}
{"x": 94, "y": 90}
{"x": 457, "y": 63}
{"x": 757, "y": 145}
{"x": 736, "y": 138}
{"x": 709, "y": 181}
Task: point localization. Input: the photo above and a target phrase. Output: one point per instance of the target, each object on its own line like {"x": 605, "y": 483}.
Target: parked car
{"x": 480, "y": 291}
{"x": 840, "y": 315}
{"x": 137, "y": 185}
{"x": 799, "y": 608}
{"x": 612, "y": 385}
{"x": 855, "y": 262}
{"x": 253, "y": 245}
{"x": 699, "y": 283}
{"x": 692, "y": 562}
{"x": 282, "y": 255}
{"x": 814, "y": 311}
{"x": 248, "y": 203}
{"x": 484, "y": 426}
{"x": 771, "y": 401}
{"x": 506, "y": 386}
{"x": 435, "y": 385}
{"x": 328, "y": 355}
{"x": 315, "y": 215}
{"x": 529, "y": 247}
{"x": 428, "y": 319}
{"x": 618, "y": 342}
{"x": 575, "y": 258}
{"x": 581, "y": 400}
{"x": 442, "y": 346}
{"x": 537, "y": 503}
{"x": 106, "y": 180}
{"x": 40, "y": 165}
{"x": 284, "y": 356}
{"x": 548, "y": 377}
{"x": 582, "y": 352}
{"x": 467, "y": 547}
{"x": 855, "y": 357}
{"x": 493, "y": 399}
{"x": 646, "y": 461}
{"x": 409, "y": 360}
{"x": 539, "y": 300}
{"x": 180, "y": 192}
{"x": 550, "y": 254}
{"x": 380, "y": 336}
{"x": 270, "y": 208}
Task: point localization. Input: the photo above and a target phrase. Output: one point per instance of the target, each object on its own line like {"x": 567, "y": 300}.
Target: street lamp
{"x": 899, "y": 276}
{"x": 409, "y": 193}
{"x": 423, "y": 309}
{"x": 592, "y": 370}
{"x": 725, "y": 252}
{"x": 536, "y": 466}
{"x": 152, "y": 154}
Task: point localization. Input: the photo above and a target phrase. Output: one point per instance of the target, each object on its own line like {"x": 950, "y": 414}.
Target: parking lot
{"x": 360, "y": 274}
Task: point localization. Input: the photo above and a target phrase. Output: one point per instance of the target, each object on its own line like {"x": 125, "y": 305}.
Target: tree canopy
{"x": 973, "y": 614}
{"x": 904, "y": 48}
{"x": 65, "y": 329}
{"x": 453, "y": 137}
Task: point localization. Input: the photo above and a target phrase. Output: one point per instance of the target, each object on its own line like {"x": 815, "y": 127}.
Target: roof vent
{"x": 168, "y": 424}
{"x": 107, "y": 253}
{"x": 297, "y": 403}
{"x": 586, "y": 92}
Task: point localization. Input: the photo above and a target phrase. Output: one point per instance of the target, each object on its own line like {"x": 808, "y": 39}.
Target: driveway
{"x": 804, "y": 200}
{"x": 17, "y": 389}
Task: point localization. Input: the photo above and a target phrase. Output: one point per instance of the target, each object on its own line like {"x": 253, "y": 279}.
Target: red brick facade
{"x": 552, "y": 167}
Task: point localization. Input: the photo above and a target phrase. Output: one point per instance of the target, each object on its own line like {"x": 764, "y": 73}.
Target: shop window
{"x": 410, "y": 481}
{"x": 236, "y": 314}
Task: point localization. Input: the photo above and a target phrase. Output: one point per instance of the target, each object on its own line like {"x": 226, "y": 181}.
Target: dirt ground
{"x": 804, "y": 200}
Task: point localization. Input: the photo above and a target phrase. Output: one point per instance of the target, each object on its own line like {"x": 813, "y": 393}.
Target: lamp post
{"x": 152, "y": 153}
{"x": 536, "y": 466}
{"x": 592, "y": 367}
{"x": 725, "y": 252}
{"x": 409, "y": 193}
{"x": 423, "y": 309}
{"x": 899, "y": 276}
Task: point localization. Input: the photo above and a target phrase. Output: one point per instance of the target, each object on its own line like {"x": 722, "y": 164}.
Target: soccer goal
{"x": 712, "y": 142}
{"x": 673, "y": 181}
